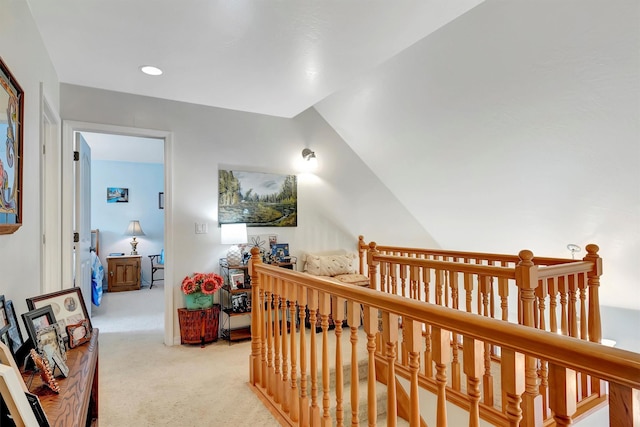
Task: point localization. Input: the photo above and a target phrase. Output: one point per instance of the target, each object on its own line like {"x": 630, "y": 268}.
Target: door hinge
{"x": 76, "y": 237}
{"x": 44, "y": 150}
{"x": 76, "y": 156}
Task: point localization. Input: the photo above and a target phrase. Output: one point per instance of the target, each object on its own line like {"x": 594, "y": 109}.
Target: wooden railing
{"x": 531, "y": 285}
{"x": 290, "y": 366}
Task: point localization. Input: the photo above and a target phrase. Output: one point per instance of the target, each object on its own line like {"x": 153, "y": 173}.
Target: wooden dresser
{"x": 77, "y": 402}
{"x": 123, "y": 273}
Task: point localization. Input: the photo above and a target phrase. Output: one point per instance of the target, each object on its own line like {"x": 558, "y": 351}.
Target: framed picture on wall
{"x": 257, "y": 199}
{"x": 11, "y": 125}
{"x": 117, "y": 195}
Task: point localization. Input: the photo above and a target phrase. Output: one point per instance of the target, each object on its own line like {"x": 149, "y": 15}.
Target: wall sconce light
{"x": 310, "y": 157}
{"x": 573, "y": 248}
{"x": 134, "y": 230}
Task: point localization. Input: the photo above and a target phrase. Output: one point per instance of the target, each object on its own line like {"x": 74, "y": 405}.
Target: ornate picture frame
{"x": 50, "y": 345}
{"x": 11, "y": 128}
{"x": 78, "y": 333}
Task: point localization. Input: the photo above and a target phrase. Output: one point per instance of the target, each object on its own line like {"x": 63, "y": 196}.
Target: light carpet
{"x": 146, "y": 383}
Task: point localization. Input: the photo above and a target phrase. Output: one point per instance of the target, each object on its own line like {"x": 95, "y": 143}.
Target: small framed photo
{"x": 240, "y": 303}
{"x": 273, "y": 239}
{"x": 68, "y": 306}
{"x": 78, "y": 334}
{"x": 117, "y": 195}
{"x": 50, "y": 344}
{"x": 38, "y": 319}
{"x": 237, "y": 281}
{"x": 279, "y": 251}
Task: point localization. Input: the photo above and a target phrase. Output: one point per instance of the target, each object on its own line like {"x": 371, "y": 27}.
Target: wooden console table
{"x": 77, "y": 402}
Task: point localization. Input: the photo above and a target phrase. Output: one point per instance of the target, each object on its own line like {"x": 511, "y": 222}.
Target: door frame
{"x": 69, "y": 127}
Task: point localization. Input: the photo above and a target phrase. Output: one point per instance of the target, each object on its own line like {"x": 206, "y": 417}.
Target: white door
{"x": 82, "y": 218}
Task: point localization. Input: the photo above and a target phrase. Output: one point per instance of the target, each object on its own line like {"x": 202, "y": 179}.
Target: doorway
{"x": 119, "y": 149}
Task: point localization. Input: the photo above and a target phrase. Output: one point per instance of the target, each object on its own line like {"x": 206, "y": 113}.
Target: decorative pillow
{"x": 330, "y": 265}
{"x": 353, "y": 279}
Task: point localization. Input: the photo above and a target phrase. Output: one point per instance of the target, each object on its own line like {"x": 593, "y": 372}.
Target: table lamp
{"x": 233, "y": 234}
{"x": 134, "y": 230}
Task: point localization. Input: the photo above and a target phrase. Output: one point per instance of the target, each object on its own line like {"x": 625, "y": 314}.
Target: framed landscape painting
{"x": 257, "y": 199}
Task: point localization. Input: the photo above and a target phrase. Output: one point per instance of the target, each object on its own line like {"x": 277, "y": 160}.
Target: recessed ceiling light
{"x": 151, "y": 70}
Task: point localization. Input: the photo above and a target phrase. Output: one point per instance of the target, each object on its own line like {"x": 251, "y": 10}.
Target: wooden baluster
{"x": 512, "y": 368}
{"x": 414, "y": 277}
{"x": 294, "y": 402}
{"x": 312, "y": 304}
{"x": 277, "y": 358}
{"x": 595, "y": 326}
{"x": 446, "y": 275}
{"x": 262, "y": 306}
{"x": 468, "y": 290}
{"x": 384, "y": 286}
{"x": 624, "y": 406}
{"x": 573, "y": 311}
{"x": 527, "y": 281}
{"x": 270, "y": 371}
{"x": 324, "y": 307}
{"x": 492, "y": 305}
{"x": 284, "y": 386}
{"x": 426, "y": 279}
{"x": 256, "y": 322}
{"x": 552, "y": 290}
{"x": 473, "y": 367}
{"x": 353, "y": 319}
{"x": 503, "y": 292}
{"x": 484, "y": 285}
{"x": 412, "y": 334}
{"x": 337, "y": 308}
{"x": 564, "y": 293}
{"x": 455, "y": 364}
{"x": 303, "y": 410}
{"x": 585, "y": 384}
{"x": 403, "y": 278}
{"x": 390, "y": 337}
{"x": 562, "y": 395}
{"x": 362, "y": 248}
{"x": 370, "y": 317}
{"x": 541, "y": 292}
{"x": 439, "y": 287}
{"x": 393, "y": 278}
{"x": 441, "y": 355}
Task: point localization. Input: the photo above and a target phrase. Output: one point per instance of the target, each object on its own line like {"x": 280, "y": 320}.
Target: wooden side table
{"x": 199, "y": 326}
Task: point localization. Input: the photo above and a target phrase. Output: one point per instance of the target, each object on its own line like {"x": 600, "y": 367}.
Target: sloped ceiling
{"x": 515, "y": 126}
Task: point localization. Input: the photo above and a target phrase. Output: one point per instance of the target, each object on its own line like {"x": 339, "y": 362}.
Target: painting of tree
{"x": 257, "y": 199}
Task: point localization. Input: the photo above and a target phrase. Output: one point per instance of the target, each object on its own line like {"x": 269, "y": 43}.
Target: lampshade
{"x": 232, "y": 234}
{"x": 134, "y": 230}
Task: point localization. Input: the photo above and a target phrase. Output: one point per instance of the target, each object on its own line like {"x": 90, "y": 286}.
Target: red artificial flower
{"x": 207, "y": 283}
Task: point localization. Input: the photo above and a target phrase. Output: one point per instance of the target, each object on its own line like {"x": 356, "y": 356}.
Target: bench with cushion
{"x": 339, "y": 266}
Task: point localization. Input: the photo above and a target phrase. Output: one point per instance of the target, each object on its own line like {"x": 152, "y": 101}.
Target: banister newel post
{"x": 527, "y": 281}
{"x": 373, "y": 266}
{"x": 256, "y": 339}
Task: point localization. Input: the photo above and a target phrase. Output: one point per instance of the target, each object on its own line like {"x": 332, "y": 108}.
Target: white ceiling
{"x": 276, "y": 58}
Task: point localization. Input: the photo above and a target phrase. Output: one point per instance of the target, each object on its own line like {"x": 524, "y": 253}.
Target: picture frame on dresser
{"x": 36, "y": 320}
{"x": 68, "y": 306}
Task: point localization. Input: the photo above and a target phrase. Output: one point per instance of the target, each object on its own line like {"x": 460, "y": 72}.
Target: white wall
{"x": 516, "y": 126}
{"x": 144, "y": 181}
{"x": 341, "y": 200}
{"x": 23, "y": 52}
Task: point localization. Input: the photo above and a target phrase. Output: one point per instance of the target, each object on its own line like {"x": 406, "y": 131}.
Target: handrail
{"x": 488, "y": 270}
{"x": 564, "y": 269}
{"x": 610, "y": 364}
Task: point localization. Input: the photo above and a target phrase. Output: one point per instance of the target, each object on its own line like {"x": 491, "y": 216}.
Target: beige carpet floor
{"x": 145, "y": 383}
